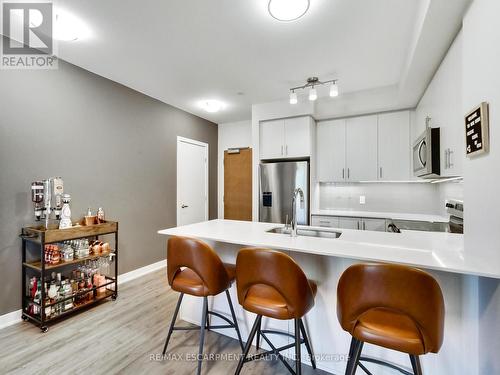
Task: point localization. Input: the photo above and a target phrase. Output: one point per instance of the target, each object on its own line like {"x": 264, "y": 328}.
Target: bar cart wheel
{"x": 114, "y": 297}
{"x": 44, "y": 329}
{"x": 24, "y": 317}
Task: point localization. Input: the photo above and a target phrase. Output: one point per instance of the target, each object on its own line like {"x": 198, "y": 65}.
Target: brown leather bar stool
{"x": 194, "y": 268}
{"x": 271, "y": 284}
{"x": 392, "y": 306}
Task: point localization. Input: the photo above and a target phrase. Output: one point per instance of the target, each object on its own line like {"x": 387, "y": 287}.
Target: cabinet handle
{"x": 380, "y": 172}
{"x": 286, "y": 150}
{"x": 343, "y": 173}
{"x": 348, "y": 174}
{"x": 450, "y": 164}
{"x": 281, "y": 150}
{"x": 358, "y": 224}
{"x": 364, "y": 225}
{"x": 446, "y": 159}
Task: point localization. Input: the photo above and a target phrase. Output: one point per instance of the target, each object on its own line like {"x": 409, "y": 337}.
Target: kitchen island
{"x": 324, "y": 260}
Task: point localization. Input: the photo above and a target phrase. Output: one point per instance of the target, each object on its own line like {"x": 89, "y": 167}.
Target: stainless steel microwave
{"x": 426, "y": 154}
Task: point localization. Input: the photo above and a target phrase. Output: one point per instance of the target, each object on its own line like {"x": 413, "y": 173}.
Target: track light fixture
{"x": 311, "y": 84}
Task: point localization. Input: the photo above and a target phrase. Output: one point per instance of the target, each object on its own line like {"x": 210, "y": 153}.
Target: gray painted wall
{"x": 113, "y": 146}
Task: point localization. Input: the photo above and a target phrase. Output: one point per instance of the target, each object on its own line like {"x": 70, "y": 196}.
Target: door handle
{"x": 184, "y": 206}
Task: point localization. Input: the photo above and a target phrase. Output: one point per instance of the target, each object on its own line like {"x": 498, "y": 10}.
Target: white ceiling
{"x": 183, "y": 51}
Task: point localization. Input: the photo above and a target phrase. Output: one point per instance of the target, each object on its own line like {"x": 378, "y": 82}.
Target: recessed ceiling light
{"x": 211, "y": 105}
{"x": 68, "y": 28}
{"x": 287, "y": 10}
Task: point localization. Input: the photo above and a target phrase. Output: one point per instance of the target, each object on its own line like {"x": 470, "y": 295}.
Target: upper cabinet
{"x": 366, "y": 148}
{"x": 394, "y": 146}
{"x": 361, "y": 148}
{"x": 286, "y": 138}
{"x": 331, "y": 151}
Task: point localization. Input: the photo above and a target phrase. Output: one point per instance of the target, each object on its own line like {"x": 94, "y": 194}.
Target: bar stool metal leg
{"x": 257, "y": 339}
{"x": 248, "y": 344}
{"x": 236, "y": 327}
{"x": 174, "y": 318}
{"x": 202, "y": 334}
{"x": 298, "y": 359}
{"x": 308, "y": 344}
{"x": 356, "y": 346}
{"x": 207, "y": 324}
{"x": 415, "y": 364}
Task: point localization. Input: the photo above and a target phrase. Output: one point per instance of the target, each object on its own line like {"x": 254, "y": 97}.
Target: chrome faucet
{"x": 299, "y": 191}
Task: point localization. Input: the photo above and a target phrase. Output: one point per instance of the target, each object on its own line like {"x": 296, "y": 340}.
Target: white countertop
{"x": 382, "y": 215}
{"x": 432, "y": 250}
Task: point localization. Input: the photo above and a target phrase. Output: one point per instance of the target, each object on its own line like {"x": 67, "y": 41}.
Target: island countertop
{"x": 431, "y": 250}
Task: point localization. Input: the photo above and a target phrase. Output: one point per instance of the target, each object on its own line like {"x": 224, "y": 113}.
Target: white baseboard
{"x": 14, "y": 317}
{"x": 139, "y": 272}
{"x": 11, "y": 318}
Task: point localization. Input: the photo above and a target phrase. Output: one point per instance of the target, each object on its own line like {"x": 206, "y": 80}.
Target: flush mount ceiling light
{"x": 68, "y": 28}
{"x": 311, "y": 84}
{"x": 211, "y": 105}
{"x": 287, "y": 10}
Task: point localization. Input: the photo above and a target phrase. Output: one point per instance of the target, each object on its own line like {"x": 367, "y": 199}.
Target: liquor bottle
{"x": 90, "y": 294}
{"x": 48, "y": 309}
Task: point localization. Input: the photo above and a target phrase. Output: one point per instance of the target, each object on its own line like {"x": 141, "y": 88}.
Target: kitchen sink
{"x": 307, "y": 232}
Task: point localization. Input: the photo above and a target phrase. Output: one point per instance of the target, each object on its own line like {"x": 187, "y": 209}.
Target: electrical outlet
{"x": 362, "y": 199}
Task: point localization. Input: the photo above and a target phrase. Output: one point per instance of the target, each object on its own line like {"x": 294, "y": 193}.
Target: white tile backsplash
{"x": 418, "y": 198}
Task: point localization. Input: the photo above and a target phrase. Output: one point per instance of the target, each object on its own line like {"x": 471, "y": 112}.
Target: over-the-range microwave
{"x": 426, "y": 154}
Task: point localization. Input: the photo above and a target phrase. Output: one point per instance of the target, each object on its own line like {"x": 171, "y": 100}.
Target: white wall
{"x": 231, "y": 134}
{"x": 481, "y": 82}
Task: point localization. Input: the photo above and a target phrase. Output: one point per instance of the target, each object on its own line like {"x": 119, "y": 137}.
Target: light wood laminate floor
{"x": 120, "y": 337}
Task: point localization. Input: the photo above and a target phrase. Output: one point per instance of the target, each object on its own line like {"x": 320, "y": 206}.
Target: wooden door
{"x": 238, "y": 185}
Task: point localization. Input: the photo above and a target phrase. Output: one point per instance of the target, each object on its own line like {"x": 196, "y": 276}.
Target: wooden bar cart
{"x": 34, "y": 237}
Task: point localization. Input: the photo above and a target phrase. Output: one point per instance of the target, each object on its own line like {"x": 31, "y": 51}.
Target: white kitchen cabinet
{"x": 346, "y": 222}
{"x": 286, "y": 138}
{"x": 325, "y": 221}
{"x": 298, "y": 137}
{"x": 331, "y": 151}
{"x": 361, "y": 148}
{"x": 272, "y": 139}
{"x": 377, "y": 225}
{"x": 394, "y": 146}
{"x": 349, "y": 223}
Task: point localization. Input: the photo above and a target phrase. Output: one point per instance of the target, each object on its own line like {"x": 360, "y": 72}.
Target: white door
{"x": 331, "y": 151}
{"x": 349, "y": 223}
{"x": 272, "y": 139}
{"x": 192, "y": 181}
{"x": 298, "y": 137}
{"x": 377, "y": 225}
{"x": 361, "y": 160}
{"x": 394, "y": 146}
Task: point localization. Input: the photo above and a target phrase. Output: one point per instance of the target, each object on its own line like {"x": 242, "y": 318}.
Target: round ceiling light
{"x": 211, "y": 106}
{"x": 288, "y": 10}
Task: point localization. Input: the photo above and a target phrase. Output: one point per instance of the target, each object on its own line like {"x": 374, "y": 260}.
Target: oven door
{"x": 421, "y": 162}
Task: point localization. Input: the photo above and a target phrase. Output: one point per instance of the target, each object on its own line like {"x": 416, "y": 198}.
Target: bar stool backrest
{"x": 258, "y": 266}
{"x": 200, "y": 258}
{"x": 402, "y": 289}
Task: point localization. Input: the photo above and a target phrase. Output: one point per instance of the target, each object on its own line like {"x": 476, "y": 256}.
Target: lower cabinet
{"x": 349, "y": 223}
{"x": 345, "y": 222}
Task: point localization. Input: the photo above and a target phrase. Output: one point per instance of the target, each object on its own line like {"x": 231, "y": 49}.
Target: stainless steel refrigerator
{"x": 277, "y": 184}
